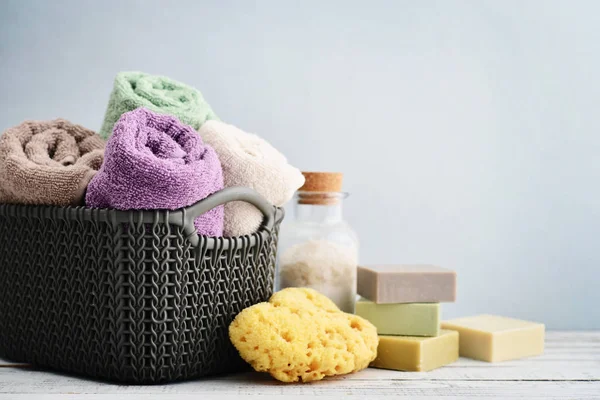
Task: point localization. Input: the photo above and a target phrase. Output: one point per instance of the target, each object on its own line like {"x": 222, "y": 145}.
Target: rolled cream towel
{"x": 154, "y": 161}
{"x": 48, "y": 162}
{"x": 160, "y": 94}
{"x": 250, "y": 161}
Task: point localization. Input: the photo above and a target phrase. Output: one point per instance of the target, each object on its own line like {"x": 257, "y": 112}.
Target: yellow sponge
{"x": 301, "y": 335}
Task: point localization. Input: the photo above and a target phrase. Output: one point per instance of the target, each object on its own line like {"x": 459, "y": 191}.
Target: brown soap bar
{"x": 385, "y": 284}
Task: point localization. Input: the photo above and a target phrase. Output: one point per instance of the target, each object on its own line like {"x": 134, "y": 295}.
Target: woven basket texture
{"x": 125, "y": 296}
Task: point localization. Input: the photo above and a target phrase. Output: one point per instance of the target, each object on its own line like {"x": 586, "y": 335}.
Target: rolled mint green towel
{"x": 160, "y": 94}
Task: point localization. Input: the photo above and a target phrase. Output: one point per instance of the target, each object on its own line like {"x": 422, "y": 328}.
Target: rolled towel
{"x": 154, "y": 161}
{"x": 48, "y": 162}
{"x": 250, "y": 161}
{"x": 162, "y": 95}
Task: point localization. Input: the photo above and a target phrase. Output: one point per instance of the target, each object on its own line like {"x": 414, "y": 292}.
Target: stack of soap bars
{"x": 402, "y": 301}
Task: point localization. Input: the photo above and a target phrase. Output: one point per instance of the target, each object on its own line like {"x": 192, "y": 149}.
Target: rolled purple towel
{"x": 154, "y": 161}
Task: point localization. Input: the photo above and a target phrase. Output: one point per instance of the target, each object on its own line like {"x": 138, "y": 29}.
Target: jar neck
{"x": 319, "y": 207}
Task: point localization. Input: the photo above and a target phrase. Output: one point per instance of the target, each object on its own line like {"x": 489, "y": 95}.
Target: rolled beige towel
{"x": 48, "y": 162}
{"x": 250, "y": 161}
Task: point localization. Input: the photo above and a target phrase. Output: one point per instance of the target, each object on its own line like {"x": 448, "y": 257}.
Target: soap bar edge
{"x": 485, "y": 345}
{"x": 370, "y": 286}
{"x": 377, "y": 313}
{"x": 424, "y": 360}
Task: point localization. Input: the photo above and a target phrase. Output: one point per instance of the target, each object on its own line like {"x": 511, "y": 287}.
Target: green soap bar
{"x": 408, "y": 319}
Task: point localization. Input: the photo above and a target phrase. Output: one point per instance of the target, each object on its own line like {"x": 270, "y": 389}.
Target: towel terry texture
{"x": 153, "y": 161}
{"x": 250, "y": 161}
{"x": 162, "y": 95}
{"x": 48, "y": 162}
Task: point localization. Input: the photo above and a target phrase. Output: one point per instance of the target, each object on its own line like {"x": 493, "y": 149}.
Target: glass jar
{"x": 318, "y": 249}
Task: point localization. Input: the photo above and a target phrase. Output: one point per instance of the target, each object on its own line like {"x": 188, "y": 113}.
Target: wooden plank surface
{"x": 569, "y": 368}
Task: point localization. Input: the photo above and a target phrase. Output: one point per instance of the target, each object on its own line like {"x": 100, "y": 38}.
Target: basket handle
{"x": 235, "y": 193}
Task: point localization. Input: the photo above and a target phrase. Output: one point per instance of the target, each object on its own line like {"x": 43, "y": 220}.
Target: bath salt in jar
{"x": 317, "y": 248}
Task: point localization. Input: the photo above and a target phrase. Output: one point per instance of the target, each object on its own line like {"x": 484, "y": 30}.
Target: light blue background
{"x": 468, "y": 131}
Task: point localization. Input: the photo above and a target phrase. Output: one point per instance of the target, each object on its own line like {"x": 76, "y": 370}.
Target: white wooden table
{"x": 569, "y": 369}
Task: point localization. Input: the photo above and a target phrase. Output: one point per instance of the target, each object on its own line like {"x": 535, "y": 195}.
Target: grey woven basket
{"x": 129, "y": 296}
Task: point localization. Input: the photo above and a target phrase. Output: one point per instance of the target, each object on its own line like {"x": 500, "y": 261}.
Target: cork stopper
{"x": 322, "y": 182}
{"x": 321, "y": 188}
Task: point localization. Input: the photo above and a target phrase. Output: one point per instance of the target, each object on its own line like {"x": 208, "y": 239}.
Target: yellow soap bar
{"x": 415, "y": 353}
{"x": 492, "y": 338}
